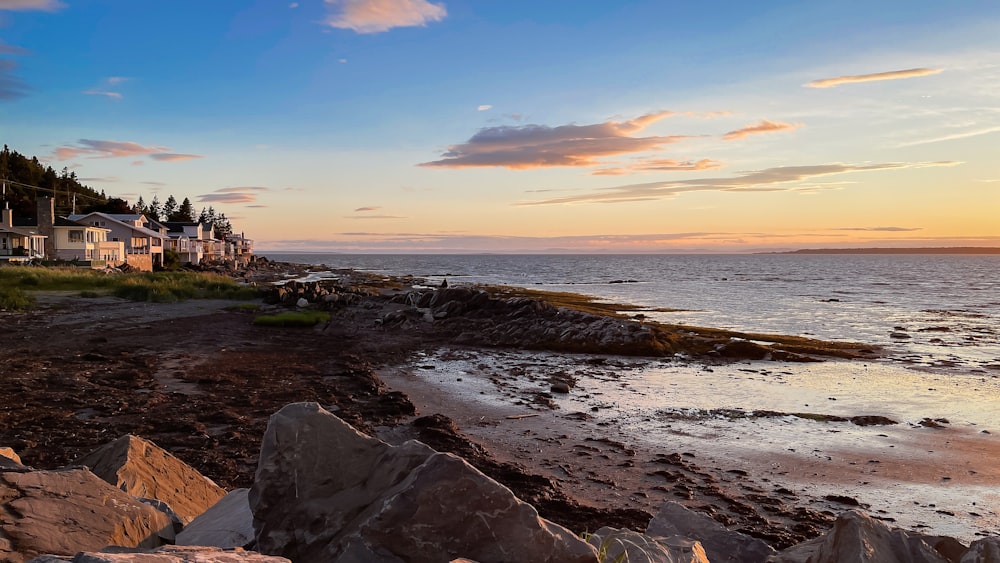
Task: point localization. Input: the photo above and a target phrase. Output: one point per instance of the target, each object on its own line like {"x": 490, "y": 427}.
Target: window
{"x": 76, "y": 235}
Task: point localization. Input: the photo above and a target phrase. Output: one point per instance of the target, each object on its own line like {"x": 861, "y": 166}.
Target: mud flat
{"x": 915, "y": 449}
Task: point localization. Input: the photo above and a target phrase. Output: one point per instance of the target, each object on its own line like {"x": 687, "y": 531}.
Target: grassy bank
{"x": 17, "y": 283}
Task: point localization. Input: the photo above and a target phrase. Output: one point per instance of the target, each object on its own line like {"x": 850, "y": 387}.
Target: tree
{"x": 141, "y": 207}
{"x": 184, "y": 213}
{"x": 169, "y": 208}
{"x": 155, "y": 210}
{"x": 223, "y": 228}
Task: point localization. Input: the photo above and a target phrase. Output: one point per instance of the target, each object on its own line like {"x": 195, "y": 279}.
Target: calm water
{"x": 933, "y": 311}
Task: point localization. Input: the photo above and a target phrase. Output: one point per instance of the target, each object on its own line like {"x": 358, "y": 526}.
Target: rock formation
{"x": 228, "y": 524}
{"x": 144, "y": 470}
{"x": 69, "y": 510}
{"x": 721, "y": 545}
{"x": 168, "y": 554}
{"x": 325, "y": 492}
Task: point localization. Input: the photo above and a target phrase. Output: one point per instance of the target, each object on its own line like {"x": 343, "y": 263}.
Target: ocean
{"x": 936, "y": 316}
{"x": 938, "y": 312}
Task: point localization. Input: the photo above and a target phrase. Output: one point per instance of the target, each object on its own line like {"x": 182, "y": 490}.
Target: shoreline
{"x": 234, "y": 374}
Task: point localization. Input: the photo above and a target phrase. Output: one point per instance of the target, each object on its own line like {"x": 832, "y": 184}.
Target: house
{"x": 143, "y": 245}
{"x": 192, "y": 241}
{"x": 239, "y": 248}
{"x": 57, "y": 238}
{"x": 18, "y": 244}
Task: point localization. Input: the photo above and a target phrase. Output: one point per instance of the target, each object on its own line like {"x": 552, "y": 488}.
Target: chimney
{"x": 7, "y": 217}
{"x": 46, "y": 225}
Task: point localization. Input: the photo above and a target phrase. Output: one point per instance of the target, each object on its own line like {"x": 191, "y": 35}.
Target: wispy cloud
{"x": 31, "y": 5}
{"x": 661, "y": 165}
{"x": 93, "y": 148}
{"x": 484, "y": 107}
{"x": 537, "y": 146}
{"x": 881, "y": 229}
{"x": 376, "y": 16}
{"x": 368, "y": 208}
{"x": 241, "y": 189}
{"x": 11, "y": 87}
{"x": 6, "y": 49}
{"x": 374, "y": 217}
{"x": 764, "y": 126}
{"x": 891, "y": 75}
{"x": 951, "y": 137}
{"x": 787, "y": 178}
{"x": 234, "y": 195}
{"x": 104, "y": 89}
{"x": 174, "y": 157}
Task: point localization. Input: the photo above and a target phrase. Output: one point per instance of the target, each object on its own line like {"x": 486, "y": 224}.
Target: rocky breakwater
{"x": 325, "y": 492}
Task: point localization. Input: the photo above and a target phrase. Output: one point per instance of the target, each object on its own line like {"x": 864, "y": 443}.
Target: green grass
{"x": 293, "y": 318}
{"x": 160, "y": 287}
{"x": 14, "y": 299}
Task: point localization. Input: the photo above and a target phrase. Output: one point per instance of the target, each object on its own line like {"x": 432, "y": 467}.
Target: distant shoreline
{"x": 926, "y": 250}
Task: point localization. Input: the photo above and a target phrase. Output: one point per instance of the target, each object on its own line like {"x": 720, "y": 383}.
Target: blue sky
{"x": 410, "y": 125}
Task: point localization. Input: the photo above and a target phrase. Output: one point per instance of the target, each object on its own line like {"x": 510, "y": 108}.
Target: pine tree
{"x": 169, "y": 208}
{"x": 184, "y": 213}
{"x": 155, "y": 210}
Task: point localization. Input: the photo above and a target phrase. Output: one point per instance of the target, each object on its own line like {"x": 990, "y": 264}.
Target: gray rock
{"x": 9, "y": 459}
{"x": 227, "y": 524}
{"x": 858, "y": 538}
{"x": 169, "y": 554}
{"x": 70, "y": 510}
{"x": 325, "y": 492}
{"x": 721, "y": 545}
{"x": 302, "y": 303}
{"x": 142, "y": 469}
{"x": 611, "y": 543}
{"x": 986, "y": 550}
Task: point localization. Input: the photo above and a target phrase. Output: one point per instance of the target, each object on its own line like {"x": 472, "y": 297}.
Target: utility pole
{"x": 74, "y": 205}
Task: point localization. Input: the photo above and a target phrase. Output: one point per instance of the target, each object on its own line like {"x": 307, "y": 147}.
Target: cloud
{"x": 28, "y": 5}
{"x": 369, "y": 208}
{"x": 661, "y": 165}
{"x": 242, "y": 189}
{"x": 952, "y": 137}
{"x": 373, "y": 217}
{"x": 538, "y": 146}
{"x": 376, "y": 16}
{"x": 786, "y": 178}
{"x": 104, "y": 89}
{"x": 228, "y": 198}
{"x": 891, "y": 75}
{"x": 484, "y": 107}
{"x": 6, "y": 49}
{"x": 115, "y": 95}
{"x": 764, "y": 126}
{"x": 11, "y": 87}
{"x": 174, "y": 157}
{"x": 118, "y": 149}
{"x": 293, "y": 5}
{"x": 881, "y": 229}
{"x": 241, "y": 194}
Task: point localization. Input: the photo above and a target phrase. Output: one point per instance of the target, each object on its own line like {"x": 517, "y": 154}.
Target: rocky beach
{"x": 200, "y": 380}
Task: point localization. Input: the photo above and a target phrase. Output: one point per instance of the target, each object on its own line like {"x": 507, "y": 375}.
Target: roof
{"x": 19, "y": 232}
{"x": 114, "y": 218}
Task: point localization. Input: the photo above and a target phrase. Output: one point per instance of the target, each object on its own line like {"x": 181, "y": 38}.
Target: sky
{"x": 523, "y": 126}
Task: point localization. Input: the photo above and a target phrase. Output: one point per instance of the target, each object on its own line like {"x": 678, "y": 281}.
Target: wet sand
{"x": 604, "y": 437}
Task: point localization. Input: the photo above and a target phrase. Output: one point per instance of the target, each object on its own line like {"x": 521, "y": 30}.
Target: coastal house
{"x": 239, "y": 248}
{"x": 19, "y": 244}
{"x": 50, "y": 237}
{"x": 191, "y": 240}
{"x": 143, "y": 242}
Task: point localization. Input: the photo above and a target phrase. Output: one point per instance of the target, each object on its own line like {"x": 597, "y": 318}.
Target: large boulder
{"x": 986, "y": 550}
{"x": 325, "y": 492}
{"x": 612, "y": 543}
{"x": 859, "y": 538}
{"x": 227, "y": 524}
{"x": 70, "y": 510}
{"x": 721, "y": 545}
{"x": 168, "y": 554}
{"x": 144, "y": 470}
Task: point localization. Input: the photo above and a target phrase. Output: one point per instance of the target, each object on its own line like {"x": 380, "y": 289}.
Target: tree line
{"x": 26, "y": 179}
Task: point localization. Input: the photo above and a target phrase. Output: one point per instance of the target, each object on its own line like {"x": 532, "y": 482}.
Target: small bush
{"x": 13, "y": 299}
{"x": 89, "y": 294}
{"x": 293, "y": 318}
{"x": 252, "y": 307}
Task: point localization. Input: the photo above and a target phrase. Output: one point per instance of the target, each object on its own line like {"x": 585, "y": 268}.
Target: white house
{"x": 18, "y": 244}
{"x": 143, "y": 246}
